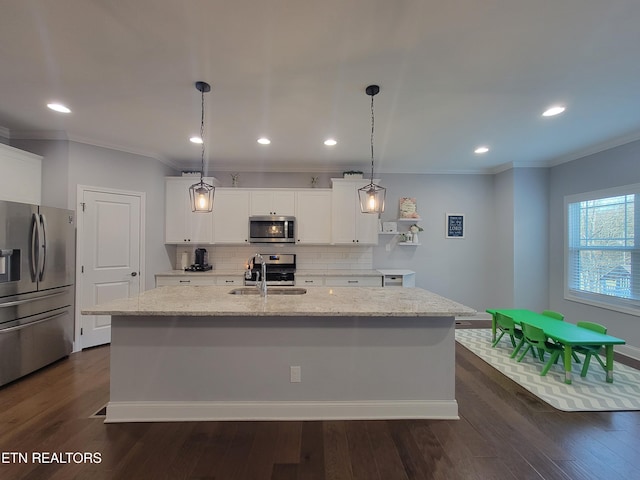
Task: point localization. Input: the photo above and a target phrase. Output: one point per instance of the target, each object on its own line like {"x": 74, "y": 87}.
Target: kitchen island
{"x": 200, "y": 353}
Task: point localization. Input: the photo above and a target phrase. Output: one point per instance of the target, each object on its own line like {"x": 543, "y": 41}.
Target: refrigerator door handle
{"x": 27, "y": 325}
{"x": 42, "y": 260}
{"x": 33, "y": 247}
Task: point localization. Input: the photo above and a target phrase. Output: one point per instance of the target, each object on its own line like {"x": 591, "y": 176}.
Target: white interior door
{"x": 110, "y": 245}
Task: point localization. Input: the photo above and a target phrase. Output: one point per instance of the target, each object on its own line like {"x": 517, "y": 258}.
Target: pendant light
{"x": 201, "y": 193}
{"x": 372, "y": 195}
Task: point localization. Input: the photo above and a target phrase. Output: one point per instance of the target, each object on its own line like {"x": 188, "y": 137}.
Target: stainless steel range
{"x": 280, "y": 268}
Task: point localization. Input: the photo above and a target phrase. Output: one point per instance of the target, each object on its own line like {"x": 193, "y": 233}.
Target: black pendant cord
{"x": 202, "y": 138}
{"x": 372, "y": 129}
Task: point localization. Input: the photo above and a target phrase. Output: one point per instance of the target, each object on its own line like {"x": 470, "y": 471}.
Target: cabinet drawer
{"x": 309, "y": 281}
{"x": 353, "y": 281}
{"x": 229, "y": 280}
{"x": 185, "y": 281}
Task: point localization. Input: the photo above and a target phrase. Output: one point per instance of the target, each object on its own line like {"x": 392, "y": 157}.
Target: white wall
{"x": 611, "y": 168}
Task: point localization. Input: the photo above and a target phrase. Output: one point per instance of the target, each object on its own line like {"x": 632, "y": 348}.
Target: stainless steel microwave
{"x": 272, "y": 229}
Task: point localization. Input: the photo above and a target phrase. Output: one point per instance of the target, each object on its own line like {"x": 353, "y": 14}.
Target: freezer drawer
{"x": 21, "y": 306}
{"x": 27, "y": 347}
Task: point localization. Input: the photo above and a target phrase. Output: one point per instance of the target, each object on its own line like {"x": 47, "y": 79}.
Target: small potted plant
{"x": 414, "y": 229}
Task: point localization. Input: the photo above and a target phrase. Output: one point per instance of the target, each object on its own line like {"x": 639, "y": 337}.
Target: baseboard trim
{"x": 628, "y": 351}
{"x": 119, "y": 412}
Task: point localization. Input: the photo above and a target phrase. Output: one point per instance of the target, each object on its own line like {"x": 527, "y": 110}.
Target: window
{"x": 602, "y": 256}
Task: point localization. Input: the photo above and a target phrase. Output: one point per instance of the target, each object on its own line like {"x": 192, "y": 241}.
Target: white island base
{"x": 188, "y": 368}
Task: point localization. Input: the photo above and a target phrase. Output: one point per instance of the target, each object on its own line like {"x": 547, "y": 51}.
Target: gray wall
{"x": 460, "y": 269}
{"x": 68, "y": 164}
{"x": 531, "y": 238}
{"x": 611, "y": 168}
{"x": 502, "y": 271}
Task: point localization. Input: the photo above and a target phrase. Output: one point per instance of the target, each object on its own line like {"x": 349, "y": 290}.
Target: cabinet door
{"x": 343, "y": 229}
{"x": 366, "y": 226}
{"x": 181, "y": 224}
{"x": 350, "y": 225}
{"x": 261, "y": 202}
{"x": 231, "y": 216}
{"x": 313, "y": 217}
{"x": 283, "y": 202}
{"x": 272, "y": 202}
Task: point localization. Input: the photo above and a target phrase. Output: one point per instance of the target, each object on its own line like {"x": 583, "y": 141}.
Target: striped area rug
{"x": 587, "y": 394}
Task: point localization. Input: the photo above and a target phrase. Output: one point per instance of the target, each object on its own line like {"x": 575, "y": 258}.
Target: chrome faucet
{"x": 261, "y": 277}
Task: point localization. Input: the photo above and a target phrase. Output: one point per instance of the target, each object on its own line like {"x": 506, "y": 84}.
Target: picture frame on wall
{"x": 454, "y": 226}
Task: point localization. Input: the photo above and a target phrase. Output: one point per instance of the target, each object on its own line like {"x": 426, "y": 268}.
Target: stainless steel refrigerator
{"x": 37, "y": 272}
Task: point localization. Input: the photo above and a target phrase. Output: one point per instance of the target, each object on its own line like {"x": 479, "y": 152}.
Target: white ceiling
{"x": 453, "y": 75}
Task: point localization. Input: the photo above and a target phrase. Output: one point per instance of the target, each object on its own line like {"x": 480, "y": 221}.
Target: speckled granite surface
{"x": 318, "y": 301}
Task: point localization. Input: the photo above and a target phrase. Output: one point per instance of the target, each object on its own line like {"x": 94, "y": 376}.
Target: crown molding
{"x": 597, "y": 148}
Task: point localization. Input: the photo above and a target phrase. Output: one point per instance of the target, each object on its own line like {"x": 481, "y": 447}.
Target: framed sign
{"x": 454, "y": 227}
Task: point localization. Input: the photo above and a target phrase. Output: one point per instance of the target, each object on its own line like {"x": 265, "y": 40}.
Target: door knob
{"x": 133, "y": 274}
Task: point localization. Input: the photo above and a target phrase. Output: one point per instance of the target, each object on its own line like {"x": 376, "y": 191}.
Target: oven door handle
{"x": 26, "y": 325}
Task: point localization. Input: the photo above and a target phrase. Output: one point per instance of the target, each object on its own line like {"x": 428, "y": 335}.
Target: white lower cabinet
{"x": 162, "y": 281}
{"x": 302, "y": 281}
{"x": 338, "y": 281}
{"x": 196, "y": 279}
{"x": 232, "y": 281}
{"x": 345, "y": 281}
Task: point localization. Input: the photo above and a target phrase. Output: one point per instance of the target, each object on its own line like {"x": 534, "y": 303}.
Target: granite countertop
{"x": 318, "y": 301}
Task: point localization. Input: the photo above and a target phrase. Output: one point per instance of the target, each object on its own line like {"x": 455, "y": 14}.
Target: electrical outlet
{"x": 296, "y": 374}
{"x": 388, "y": 247}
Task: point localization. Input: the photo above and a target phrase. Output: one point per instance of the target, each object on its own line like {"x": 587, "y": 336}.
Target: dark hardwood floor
{"x": 503, "y": 433}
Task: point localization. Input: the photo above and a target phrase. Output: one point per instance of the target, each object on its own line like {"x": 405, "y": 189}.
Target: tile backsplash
{"x": 317, "y": 258}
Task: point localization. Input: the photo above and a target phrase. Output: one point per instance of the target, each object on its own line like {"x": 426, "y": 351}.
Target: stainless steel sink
{"x": 270, "y": 291}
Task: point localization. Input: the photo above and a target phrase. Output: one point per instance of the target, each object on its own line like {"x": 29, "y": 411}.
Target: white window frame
{"x": 610, "y": 302}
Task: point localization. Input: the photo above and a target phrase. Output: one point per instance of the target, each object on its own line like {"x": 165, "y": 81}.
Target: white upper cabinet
{"x": 181, "y": 224}
{"x": 349, "y": 225}
{"x": 231, "y": 216}
{"x": 20, "y": 180}
{"x": 313, "y": 217}
{"x": 273, "y": 201}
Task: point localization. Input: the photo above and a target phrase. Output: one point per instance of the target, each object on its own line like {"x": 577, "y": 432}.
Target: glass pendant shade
{"x": 372, "y": 198}
{"x": 201, "y": 196}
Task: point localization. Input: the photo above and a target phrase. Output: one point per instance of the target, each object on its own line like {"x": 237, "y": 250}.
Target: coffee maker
{"x": 201, "y": 261}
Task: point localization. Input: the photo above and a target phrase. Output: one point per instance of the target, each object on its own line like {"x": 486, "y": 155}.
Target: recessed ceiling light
{"x": 197, "y": 140}
{"x": 555, "y": 110}
{"x": 264, "y": 141}
{"x": 481, "y": 150}
{"x": 330, "y": 142}
{"x": 58, "y": 107}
